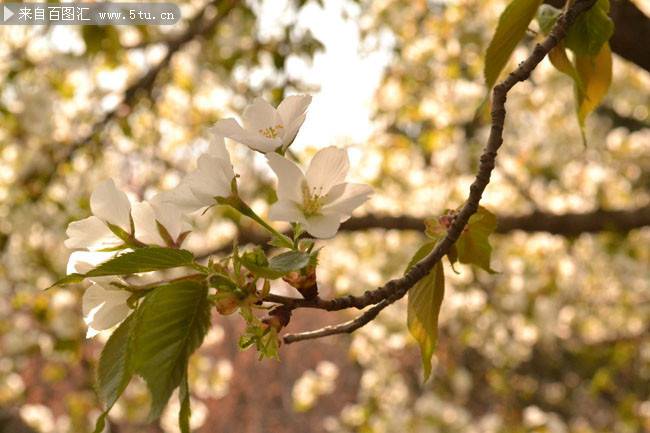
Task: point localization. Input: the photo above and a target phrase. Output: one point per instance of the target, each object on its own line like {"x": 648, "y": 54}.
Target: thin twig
{"x": 342, "y": 328}
{"x": 397, "y": 288}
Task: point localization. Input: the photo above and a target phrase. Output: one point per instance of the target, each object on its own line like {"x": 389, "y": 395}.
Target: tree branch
{"x": 566, "y": 224}
{"x": 342, "y": 328}
{"x": 618, "y": 120}
{"x": 397, "y": 288}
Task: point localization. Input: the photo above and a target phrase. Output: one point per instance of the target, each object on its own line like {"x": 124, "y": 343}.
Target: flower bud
{"x": 227, "y": 305}
{"x": 278, "y": 317}
{"x": 305, "y": 282}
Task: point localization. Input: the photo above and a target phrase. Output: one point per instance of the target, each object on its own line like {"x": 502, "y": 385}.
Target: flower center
{"x": 312, "y": 200}
{"x": 272, "y": 131}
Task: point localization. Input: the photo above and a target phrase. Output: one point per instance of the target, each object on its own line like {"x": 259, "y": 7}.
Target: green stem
{"x": 199, "y": 267}
{"x": 238, "y": 204}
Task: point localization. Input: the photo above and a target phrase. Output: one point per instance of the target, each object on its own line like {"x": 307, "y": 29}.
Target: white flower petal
{"x": 290, "y": 177}
{"x": 99, "y": 294}
{"x": 90, "y": 333}
{"x": 83, "y": 261}
{"x": 171, "y": 217}
{"x": 182, "y": 198}
{"x": 334, "y": 194}
{"x": 110, "y": 314}
{"x": 196, "y": 184}
{"x": 104, "y": 308}
{"x": 107, "y": 281}
{"x": 144, "y": 220}
{"x": 211, "y": 179}
{"x": 286, "y": 210}
{"x": 111, "y": 205}
{"x": 260, "y": 115}
{"x": 228, "y": 128}
{"x": 253, "y": 139}
{"x": 91, "y": 233}
{"x": 328, "y": 168}
{"x": 323, "y": 226}
{"x": 217, "y": 147}
{"x": 352, "y": 196}
{"x": 292, "y": 130}
{"x": 293, "y": 107}
{"x": 293, "y": 113}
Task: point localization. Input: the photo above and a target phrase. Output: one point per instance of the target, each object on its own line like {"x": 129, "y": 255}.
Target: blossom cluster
{"x": 315, "y": 201}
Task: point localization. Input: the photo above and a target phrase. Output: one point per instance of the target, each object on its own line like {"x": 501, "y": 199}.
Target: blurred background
{"x": 557, "y": 341}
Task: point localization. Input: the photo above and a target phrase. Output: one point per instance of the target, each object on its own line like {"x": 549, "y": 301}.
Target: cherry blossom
{"x": 212, "y": 178}
{"x": 110, "y": 207}
{"x": 267, "y": 129}
{"x": 104, "y": 305}
{"x": 157, "y": 223}
{"x": 319, "y": 199}
{"x": 116, "y": 222}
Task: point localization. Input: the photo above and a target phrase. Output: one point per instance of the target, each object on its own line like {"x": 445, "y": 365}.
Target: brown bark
{"x": 566, "y": 224}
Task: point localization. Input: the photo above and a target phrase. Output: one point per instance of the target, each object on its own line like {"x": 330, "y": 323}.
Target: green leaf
{"x": 172, "y": 322}
{"x": 592, "y": 76}
{"x": 289, "y": 261}
{"x": 256, "y": 262}
{"x": 279, "y": 242}
{"x": 140, "y": 260}
{"x": 156, "y": 342}
{"x": 421, "y": 253}
{"x": 424, "y": 301}
{"x": 265, "y": 340}
{"x": 595, "y": 75}
{"x": 143, "y": 260}
{"x": 473, "y": 246}
{"x": 113, "y": 369}
{"x": 113, "y": 372}
{"x": 185, "y": 411}
{"x": 100, "y": 424}
{"x": 560, "y": 60}
{"x": 218, "y": 280}
{"x": 546, "y": 17}
{"x": 591, "y": 30}
{"x": 278, "y": 266}
{"x": 68, "y": 279}
{"x": 512, "y": 26}
{"x": 270, "y": 345}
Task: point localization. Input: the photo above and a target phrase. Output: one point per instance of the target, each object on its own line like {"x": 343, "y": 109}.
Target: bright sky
{"x": 340, "y": 112}
{"x": 347, "y": 78}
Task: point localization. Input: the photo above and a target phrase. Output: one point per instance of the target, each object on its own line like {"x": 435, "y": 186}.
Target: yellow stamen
{"x": 272, "y": 131}
{"x": 311, "y": 200}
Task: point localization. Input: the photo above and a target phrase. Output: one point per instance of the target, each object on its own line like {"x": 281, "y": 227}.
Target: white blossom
{"x": 103, "y": 304}
{"x": 84, "y": 261}
{"x": 319, "y": 199}
{"x": 149, "y": 222}
{"x": 146, "y": 217}
{"x": 109, "y": 205}
{"x": 104, "y": 307}
{"x": 212, "y": 178}
{"x": 112, "y": 210}
{"x": 266, "y": 128}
